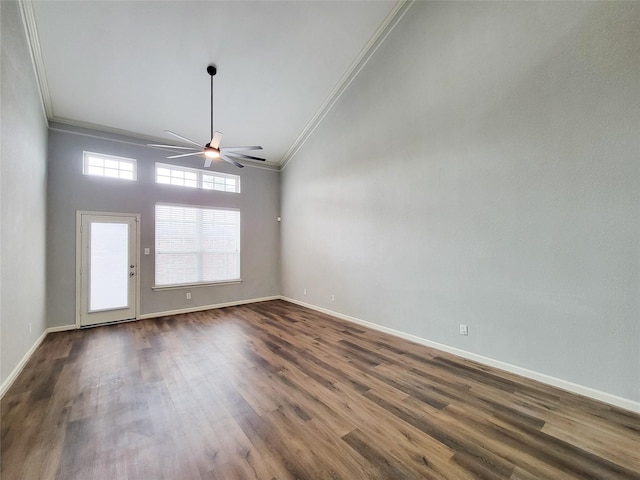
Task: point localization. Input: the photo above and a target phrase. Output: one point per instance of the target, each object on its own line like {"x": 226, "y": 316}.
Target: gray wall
{"x": 70, "y": 190}
{"x": 484, "y": 168}
{"x": 23, "y": 153}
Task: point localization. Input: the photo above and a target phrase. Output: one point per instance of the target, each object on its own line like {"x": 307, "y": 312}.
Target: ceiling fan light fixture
{"x": 211, "y": 152}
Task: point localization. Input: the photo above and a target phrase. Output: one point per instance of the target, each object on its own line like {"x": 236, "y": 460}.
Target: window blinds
{"x": 196, "y": 245}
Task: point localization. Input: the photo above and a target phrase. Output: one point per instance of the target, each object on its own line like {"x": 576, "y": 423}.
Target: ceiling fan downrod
{"x": 211, "y": 70}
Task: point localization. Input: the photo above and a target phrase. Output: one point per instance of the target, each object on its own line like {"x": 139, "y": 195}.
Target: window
{"x": 221, "y": 181}
{"x": 109, "y": 166}
{"x": 194, "y": 178}
{"x": 196, "y": 245}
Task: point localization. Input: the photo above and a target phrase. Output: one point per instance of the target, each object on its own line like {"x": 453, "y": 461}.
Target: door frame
{"x": 79, "y": 214}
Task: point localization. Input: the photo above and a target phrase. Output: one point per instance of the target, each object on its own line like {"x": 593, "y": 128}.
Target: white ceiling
{"x": 140, "y": 67}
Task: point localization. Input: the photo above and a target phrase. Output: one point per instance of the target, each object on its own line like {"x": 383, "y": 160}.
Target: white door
{"x": 108, "y": 268}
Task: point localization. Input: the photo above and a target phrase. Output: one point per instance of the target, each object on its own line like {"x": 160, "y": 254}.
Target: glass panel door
{"x": 108, "y": 268}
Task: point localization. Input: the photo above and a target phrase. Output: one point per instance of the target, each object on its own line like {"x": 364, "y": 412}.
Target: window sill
{"x": 194, "y": 285}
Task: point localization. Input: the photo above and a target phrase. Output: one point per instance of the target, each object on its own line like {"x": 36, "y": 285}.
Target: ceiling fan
{"x": 212, "y": 150}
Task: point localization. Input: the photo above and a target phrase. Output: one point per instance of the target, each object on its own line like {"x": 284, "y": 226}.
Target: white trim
{"x": 27, "y": 356}
{"x": 620, "y": 402}
{"x": 385, "y": 28}
{"x": 33, "y": 40}
{"x": 79, "y": 214}
{"x": 20, "y": 366}
{"x": 207, "y": 307}
{"x": 387, "y": 25}
{"x": 200, "y": 173}
{"x": 102, "y": 132}
{"x": 199, "y": 250}
{"x": 86, "y": 155}
{"x": 194, "y": 285}
{"x": 62, "y": 328}
{"x": 198, "y": 205}
{"x": 540, "y": 377}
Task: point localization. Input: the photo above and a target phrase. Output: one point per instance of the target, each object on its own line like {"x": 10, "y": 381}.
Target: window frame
{"x": 87, "y": 155}
{"x": 204, "y": 283}
{"x": 200, "y": 174}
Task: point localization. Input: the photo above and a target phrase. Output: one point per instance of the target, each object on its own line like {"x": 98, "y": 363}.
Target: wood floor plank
{"x": 273, "y": 390}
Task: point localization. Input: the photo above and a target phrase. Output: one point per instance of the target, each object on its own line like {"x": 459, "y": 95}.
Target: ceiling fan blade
{"x": 172, "y": 146}
{"x": 242, "y": 156}
{"x": 207, "y": 162}
{"x": 238, "y": 149}
{"x": 231, "y": 161}
{"x": 215, "y": 140}
{"x": 185, "y": 155}
{"x": 183, "y": 138}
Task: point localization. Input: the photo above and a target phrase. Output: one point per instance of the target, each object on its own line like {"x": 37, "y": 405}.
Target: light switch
{"x": 146, "y": 251}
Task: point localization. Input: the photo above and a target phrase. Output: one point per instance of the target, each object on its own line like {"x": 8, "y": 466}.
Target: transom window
{"x": 111, "y": 166}
{"x": 196, "y": 245}
{"x": 195, "y": 178}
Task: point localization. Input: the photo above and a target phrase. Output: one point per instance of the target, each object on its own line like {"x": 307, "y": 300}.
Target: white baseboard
{"x": 6, "y": 384}
{"x": 614, "y": 400}
{"x": 23, "y": 361}
{"x": 207, "y": 307}
{"x": 20, "y": 366}
{"x": 62, "y": 328}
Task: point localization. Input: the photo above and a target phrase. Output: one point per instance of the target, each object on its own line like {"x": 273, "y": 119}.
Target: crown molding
{"x": 33, "y": 41}
{"x": 385, "y": 28}
{"x": 102, "y": 132}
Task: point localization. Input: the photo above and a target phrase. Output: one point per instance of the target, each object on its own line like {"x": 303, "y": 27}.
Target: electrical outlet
{"x": 464, "y": 330}
{"x": 304, "y": 291}
{"x": 333, "y": 298}
{"x": 188, "y": 295}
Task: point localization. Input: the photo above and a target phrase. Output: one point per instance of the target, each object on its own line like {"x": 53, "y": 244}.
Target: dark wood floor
{"x": 273, "y": 390}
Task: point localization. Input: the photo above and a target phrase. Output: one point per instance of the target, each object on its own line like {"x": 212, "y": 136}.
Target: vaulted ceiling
{"x": 140, "y": 67}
